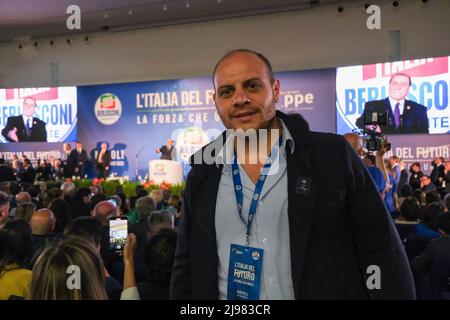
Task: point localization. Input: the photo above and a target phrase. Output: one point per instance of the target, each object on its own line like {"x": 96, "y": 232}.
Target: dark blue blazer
{"x": 38, "y": 131}
{"x": 413, "y": 120}
{"x": 337, "y": 228}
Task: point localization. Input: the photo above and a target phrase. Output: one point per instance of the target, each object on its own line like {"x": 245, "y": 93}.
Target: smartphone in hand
{"x": 118, "y": 232}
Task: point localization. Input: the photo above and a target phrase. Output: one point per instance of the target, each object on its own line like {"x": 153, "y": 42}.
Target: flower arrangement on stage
{"x": 129, "y": 187}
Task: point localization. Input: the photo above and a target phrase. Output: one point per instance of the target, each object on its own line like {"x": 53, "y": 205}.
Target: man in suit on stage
{"x": 320, "y": 227}
{"x": 25, "y": 128}
{"x": 404, "y": 116}
{"x": 79, "y": 158}
{"x": 103, "y": 161}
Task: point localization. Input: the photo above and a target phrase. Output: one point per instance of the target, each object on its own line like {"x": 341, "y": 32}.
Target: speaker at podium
{"x": 165, "y": 171}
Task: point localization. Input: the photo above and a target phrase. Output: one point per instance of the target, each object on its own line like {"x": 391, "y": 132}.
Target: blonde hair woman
{"x": 53, "y": 279}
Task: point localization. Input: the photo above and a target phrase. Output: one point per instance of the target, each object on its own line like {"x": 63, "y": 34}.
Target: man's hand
{"x": 107, "y": 168}
{"x": 130, "y": 248}
{"x": 12, "y": 134}
{"x": 158, "y": 150}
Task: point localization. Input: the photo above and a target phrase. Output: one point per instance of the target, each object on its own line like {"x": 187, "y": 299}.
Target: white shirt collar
{"x": 394, "y": 102}
{"x": 25, "y": 118}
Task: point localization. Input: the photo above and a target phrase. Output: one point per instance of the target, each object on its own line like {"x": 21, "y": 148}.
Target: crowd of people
{"x": 47, "y": 235}
{"x": 72, "y": 163}
{"x": 319, "y": 226}
{"x": 419, "y": 206}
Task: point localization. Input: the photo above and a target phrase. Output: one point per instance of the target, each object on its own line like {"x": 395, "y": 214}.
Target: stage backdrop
{"x": 136, "y": 118}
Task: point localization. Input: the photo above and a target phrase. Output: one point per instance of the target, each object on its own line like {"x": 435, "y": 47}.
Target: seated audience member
{"x": 61, "y": 211}
{"x": 426, "y": 184}
{"x": 24, "y": 211}
{"x": 427, "y": 227}
{"x": 404, "y": 192}
{"x": 95, "y": 199}
{"x": 6, "y": 172}
{"x": 159, "y": 220}
{"x": 53, "y": 264}
{"x": 409, "y": 217}
{"x": 132, "y": 215}
{"x": 15, "y": 250}
{"x": 82, "y": 199}
{"x": 157, "y": 196}
{"x": 35, "y": 191}
{"x": 420, "y": 196}
{"x": 52, "y": 194}
{"x": 144, "y": 207}
{"x": 68, "y": 190}
{"x": 447, "y": 201}
{"x": 432, "y": 267}
{"x": 102, "y": 212}
{"x": 426, "y": 230}
{"x": 21, "y": 197}
{"x": 42, "y": 224}
{"x": 432, "y": 196}
{"x": 158, "y": 256}
{"x": 96, "y": 189}
{"x": 92, "y": 230}
{"x": 4, "y": 208}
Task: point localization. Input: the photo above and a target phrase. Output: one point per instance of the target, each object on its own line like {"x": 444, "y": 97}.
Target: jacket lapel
{"x": 391, "y": 121}
{"x": 302, "y": 193}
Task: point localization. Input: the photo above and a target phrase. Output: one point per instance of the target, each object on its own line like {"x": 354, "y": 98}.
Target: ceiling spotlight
{"x": 130, "y": 12}
{"x": 35, "y": 44}
{"x": 339, "y": 10}
{"x": 52, "y": 42}
{"x": 395, "y": 4}
{"x": 20, "y": 46}
{"x": 68, "y": 41}
{"x": 86, "y": 39}
{"x": 187, "y": 4}
{"x": 165, "y": 7}
{"x": 219, "y": 1}
{"x": 105, "y": 15}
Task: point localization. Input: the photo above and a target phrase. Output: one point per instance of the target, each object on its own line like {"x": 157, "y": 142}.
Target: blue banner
{"x": 136, "y": 118}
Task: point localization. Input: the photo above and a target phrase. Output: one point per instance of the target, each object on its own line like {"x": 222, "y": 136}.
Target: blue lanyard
{"x": 258, "y": 188}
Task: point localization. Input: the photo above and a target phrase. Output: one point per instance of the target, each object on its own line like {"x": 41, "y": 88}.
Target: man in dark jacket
{"x": 320, "y": 229}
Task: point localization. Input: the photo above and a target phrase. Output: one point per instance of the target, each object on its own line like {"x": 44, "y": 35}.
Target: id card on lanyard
{"x": 245, "y": 264}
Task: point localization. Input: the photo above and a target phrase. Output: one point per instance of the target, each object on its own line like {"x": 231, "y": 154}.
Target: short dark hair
{"x": 400, "y": 74}
{"x": 431, "y": 212}
{"x": 86, "y": 227}
{"x": 405, "y": 191}
{"x": 61, "y": 211}
{"x": 15, "y": 244}
{"x": 159, "y": 254}
{"x": 259, "y": 55}
{"x": 410, "y": 209}
{"x": 432, "y": 196}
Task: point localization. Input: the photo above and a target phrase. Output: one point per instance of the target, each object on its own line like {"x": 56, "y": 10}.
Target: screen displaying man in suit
{"x": 25, "y": 128}
{"x": 404, "y": 116}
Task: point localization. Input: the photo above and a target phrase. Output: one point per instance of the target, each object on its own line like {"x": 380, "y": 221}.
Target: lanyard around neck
{"x": 258, "y": 188}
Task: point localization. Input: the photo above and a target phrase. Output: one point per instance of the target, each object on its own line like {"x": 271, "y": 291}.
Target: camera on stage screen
{"x": 375, "y": 139}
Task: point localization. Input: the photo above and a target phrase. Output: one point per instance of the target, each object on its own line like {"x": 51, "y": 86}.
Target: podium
{"x": 165, "y": 170}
